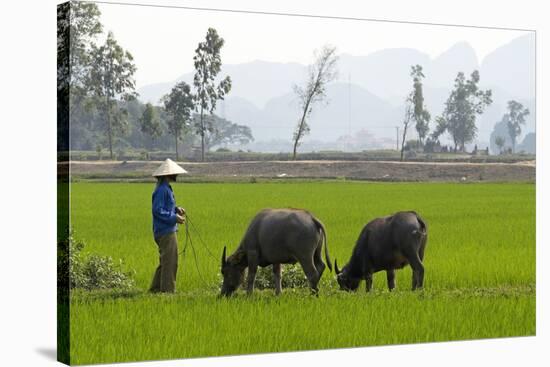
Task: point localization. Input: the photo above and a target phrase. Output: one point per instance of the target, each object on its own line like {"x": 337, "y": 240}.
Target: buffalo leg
{"x": 277, "y": 278}
{"x": 252, "y": 268}
{"x": 312, "y": 275}
{"x": 318, "y": 260}
{"x": 368, "y": 281}
{"x": 418, "y": 270}
{"x": 390, "y": 275}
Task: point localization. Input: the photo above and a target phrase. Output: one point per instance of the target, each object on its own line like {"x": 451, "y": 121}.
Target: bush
{"x": 144, "y": 155}
{"x": 89, "y": 272}
{"x": 412, "y": 145}
{"x": 292, "y": 277}
{"x": 99, "y": 151}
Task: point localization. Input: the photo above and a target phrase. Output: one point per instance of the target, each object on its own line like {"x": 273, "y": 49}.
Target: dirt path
{"x": 361, "y": 170}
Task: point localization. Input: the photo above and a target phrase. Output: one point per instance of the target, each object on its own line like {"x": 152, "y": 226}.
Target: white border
{"x": 28, "y": 156}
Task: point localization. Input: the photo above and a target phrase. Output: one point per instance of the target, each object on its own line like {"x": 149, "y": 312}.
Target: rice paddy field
{"x": 479, "y": 261}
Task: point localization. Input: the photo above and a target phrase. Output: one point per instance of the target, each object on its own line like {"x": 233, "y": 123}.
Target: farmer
{"x": 166, "y": 217}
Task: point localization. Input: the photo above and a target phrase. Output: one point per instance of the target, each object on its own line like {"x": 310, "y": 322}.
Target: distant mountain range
{"x": 370, "y": 91}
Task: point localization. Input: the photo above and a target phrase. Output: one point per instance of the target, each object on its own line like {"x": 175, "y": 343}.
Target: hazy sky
{"x": 163, "y": 40}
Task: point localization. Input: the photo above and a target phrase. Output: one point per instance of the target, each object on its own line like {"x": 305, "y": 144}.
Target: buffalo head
{"x": 345, "y": 280}
{"x": 232, "y": 270}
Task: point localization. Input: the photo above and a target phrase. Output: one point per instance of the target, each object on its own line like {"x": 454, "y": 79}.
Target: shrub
{"x": 89, "y": 272}
{"x": 144, "y": 155}
{"x": 99, "y": 272}
{"x": 99, "y": 151}
{"x": 292, "y": 277}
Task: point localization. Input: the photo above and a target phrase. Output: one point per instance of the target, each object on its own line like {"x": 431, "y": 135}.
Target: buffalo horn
{"x": 223, "y": 255}
{"x": 336, "y": 267}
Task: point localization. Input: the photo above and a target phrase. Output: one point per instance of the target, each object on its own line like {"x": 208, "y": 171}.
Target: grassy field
{"x": 480, "y": 271}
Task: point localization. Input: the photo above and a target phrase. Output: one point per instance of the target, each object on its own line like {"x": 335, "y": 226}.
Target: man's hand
{"x": 180, "y": 211}
{"x": 180, "y": 218}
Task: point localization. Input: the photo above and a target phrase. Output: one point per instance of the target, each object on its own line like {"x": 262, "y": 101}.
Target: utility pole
{"x": 349, "y": 104}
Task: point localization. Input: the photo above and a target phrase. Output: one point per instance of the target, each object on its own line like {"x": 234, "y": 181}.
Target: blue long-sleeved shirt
{"x": 164, "y": 210}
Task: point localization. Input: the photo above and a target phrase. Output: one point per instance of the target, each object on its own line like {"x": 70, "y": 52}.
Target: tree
{"x": 179, "y": 106}
{"x": 207, "y": 61}
{"x": 421, "y": 114}
{"x": 112, "y": 76}
{"x": 409, "y": 115}
{"x": 465, "y": 102}
{"x": 150, "y": 123}
{"x": 516, "y": 118}
{"x": 499, "y": 141}
{"x": 320, "y": 73}
{"x": 80, "y": 22}
{"x": 77, "y": 26}
{"x": 225, "y": 132}
{"x": 529, "y": 143}
{"x": 440, "y": 128}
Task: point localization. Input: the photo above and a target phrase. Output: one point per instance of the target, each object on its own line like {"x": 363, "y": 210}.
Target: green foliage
{"x": 292, "y": 277}
{"x": 225, "y": 132}
{"x": 99, "y": 151}
{"x": 91, "y": 271}
{"x": 499, "y": 141}
{"x": 112, "y": 75}
{"x": 99, "y": 272}
{"x": 320, "y": 74}
{"x": 413, "y": 145}
{"x": 529, "y": 144}
{"x": 207, "y": 61}
{"x": 421, "y": 114}
{"x": 80, "y": 21}
{"x": 440, "y": 128}
{"x": 179, "y": 105}
{"x": 150, "y": 122}
{"x": 516, "y": 118}
{"x": 77, "y": 27}
{"x": 144, "y": 155}
{"x": 465, "y": 102}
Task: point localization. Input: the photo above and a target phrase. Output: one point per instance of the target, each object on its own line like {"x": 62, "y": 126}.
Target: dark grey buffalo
{"x": 275, "y": 237}
{"x": 386, "y": 243}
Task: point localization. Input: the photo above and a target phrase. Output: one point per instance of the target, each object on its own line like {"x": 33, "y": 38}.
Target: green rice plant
{"x": 479, "y": 281}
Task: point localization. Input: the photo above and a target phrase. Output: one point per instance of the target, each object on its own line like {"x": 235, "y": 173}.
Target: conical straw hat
{"x": 168, "y": 168}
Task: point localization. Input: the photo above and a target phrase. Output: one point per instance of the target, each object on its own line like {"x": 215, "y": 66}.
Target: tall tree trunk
{"x": 300, "y": 128}
{"x": 177, "y": 157}
{"x": 403, "y": 140}
{"x": 109, "y": 128}
{"x": 202, "y": 136}
{"x": 294, "y": 150}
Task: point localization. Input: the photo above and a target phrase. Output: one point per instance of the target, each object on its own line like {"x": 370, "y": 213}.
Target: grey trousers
{"x": 164, "y": 279}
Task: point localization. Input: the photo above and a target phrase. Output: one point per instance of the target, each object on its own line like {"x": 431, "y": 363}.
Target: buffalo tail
{"x": 321, "y": 228}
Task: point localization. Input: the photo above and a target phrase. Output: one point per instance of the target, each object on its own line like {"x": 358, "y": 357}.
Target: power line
{"x": 334, "y": 17}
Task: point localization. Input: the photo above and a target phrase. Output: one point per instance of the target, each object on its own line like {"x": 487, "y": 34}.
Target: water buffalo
{"x": 275, "y": 237}
{"x": 386, "y": 243}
